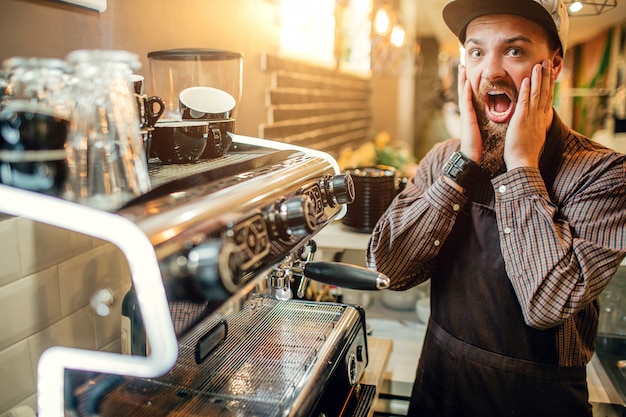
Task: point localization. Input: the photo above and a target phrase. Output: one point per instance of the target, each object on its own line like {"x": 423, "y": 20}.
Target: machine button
{"x": 359, "y": 353}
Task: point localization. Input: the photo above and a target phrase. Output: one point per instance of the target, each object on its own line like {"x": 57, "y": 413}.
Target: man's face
{"x": 500, "y": 51}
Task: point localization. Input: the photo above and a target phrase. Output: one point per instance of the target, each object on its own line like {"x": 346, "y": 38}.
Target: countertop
{"x": 379, "y": 350}
{"x": 338, "y": 236}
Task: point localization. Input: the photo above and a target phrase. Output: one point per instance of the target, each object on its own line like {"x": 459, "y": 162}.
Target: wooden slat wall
{"x": 316, "y": 107}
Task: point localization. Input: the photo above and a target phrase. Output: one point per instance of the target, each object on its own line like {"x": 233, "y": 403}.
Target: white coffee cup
{"x": 205, "y": 103}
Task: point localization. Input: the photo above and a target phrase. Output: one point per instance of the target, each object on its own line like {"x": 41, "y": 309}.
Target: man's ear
{"x": 557, "y": 64}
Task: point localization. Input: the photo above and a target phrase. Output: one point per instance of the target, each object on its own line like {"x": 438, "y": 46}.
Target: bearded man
{"x": 519, "y": 224}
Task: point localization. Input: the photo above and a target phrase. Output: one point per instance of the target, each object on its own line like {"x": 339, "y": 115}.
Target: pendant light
{"x": 589, "y": 7}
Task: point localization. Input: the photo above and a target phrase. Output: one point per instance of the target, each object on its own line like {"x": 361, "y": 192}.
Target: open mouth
{"x": 499, "y": 106}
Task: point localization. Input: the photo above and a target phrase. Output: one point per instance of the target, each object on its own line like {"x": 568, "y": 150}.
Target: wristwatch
{"x": 461, "y": 169}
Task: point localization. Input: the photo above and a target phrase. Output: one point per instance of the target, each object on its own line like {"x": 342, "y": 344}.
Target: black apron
{"x": 479, "y": 358}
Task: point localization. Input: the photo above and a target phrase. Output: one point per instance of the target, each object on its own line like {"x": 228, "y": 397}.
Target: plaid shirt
{"x": 562, "y": 232}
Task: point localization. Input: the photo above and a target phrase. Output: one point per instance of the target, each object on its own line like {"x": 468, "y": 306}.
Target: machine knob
{"x": 339, "y": 189}
{"x": 353, "y": 369}
{"x": 215, "y": 269}
{"x": 292, "y": 217}
{"x": 210, "y": 271}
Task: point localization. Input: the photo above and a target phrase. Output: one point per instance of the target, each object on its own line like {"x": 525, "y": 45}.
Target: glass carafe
{"x": 106, "y": 159}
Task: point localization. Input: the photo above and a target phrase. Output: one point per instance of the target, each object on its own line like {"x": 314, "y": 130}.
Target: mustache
{"x": 505, "y": 86}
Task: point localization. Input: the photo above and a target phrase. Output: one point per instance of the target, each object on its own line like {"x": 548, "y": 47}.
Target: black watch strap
{"x": 461, "y": 169}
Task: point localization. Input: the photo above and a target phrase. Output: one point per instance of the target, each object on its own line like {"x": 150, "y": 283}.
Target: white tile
{"x": 30, "y": 402}
{"x": 9, "y": 255}
{"x": 81, "y": 276}
{"x": 113, "y": 347}
{"x": 75, "y": 331}
{"x": 32, "y": 303}
{"x": 42, "y": 245}
{"x": 99, "y": 242}
{"x": 17, "y": 380}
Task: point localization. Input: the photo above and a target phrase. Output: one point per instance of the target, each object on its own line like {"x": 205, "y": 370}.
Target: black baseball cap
{"x": 551, "y": 14}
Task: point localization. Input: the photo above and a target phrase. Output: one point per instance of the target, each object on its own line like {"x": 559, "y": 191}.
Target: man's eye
{"x": 515, "y": 52}
{"x": 475, "y": 53}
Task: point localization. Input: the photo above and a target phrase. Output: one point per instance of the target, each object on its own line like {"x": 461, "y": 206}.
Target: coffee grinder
{"x": 176, "y": 71}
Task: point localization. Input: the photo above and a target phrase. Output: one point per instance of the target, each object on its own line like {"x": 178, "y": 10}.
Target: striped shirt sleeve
{"x": 560, "y": 257}
{"x": 409, "y": 235}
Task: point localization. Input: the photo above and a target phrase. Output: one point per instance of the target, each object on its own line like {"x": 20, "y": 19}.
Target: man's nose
{"x": 493, "y": 68}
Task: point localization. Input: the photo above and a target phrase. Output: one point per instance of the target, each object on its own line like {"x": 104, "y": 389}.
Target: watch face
{"x": 459, "y": 167}
{"x": 454, "y": 165}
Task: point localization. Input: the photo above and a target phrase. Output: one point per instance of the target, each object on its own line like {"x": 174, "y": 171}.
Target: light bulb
{"x": 576, "y": 7}
{"x": 381, "y": 22}
{"x": 397, "y": 36}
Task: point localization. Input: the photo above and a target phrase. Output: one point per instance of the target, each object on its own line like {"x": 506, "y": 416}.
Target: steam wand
{"x": 311, "y": 247}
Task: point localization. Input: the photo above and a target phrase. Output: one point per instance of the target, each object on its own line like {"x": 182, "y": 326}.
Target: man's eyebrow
{"x": 514, "y": 39}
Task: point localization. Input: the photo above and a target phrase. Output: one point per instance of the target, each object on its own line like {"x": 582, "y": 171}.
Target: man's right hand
{"x": 471, "y": 140}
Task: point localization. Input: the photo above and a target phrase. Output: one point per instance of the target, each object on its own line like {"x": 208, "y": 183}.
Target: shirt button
{"x": 456, "y": 207}
{"x": 436, "y": 243}
{"x": 502, "y": 189}
{"x": 507, "y": 230}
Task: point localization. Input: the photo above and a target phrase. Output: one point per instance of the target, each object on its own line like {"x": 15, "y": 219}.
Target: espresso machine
{"x": 221, "y": 254}
{"x": 233, "y": 237}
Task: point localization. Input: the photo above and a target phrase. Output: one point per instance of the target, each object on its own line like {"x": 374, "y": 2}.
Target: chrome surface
{"x": 212, "y": 220}
{"x": 171, "y": 213}
{"x": 215, "y": 225}
{"x": 276, "y": 359}
{"x": 215, "y": 230}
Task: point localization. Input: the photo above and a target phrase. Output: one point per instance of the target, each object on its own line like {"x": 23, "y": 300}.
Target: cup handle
{"x": 154, "y": 109}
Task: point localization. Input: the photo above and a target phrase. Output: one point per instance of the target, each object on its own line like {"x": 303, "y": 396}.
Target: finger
{"x": 462, "y": 77}
{"x": 464, "y": 93}
{"x": 466, "y": 107}
{"x": 546, "y": 81}
{"x": 524, "y": 99}
{"x": 552, "y": 81}
{"x": 536, "y": 87}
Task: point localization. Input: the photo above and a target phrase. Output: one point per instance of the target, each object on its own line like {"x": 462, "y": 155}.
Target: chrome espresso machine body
{"x": 229, "y": 237}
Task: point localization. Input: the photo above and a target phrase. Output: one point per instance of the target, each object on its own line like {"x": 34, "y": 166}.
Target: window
{"x": 309, "y": 29}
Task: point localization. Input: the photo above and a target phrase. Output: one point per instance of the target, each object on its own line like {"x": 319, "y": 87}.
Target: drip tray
{"x": 262, "y": 366}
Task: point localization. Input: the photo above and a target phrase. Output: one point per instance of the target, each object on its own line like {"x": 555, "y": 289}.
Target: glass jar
{"x": 106, "y": 159}
{"x": 175, "y": 70}
{"x": 34, "y": 123}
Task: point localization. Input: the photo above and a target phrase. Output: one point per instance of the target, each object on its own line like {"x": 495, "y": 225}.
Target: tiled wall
{"x": 47, "y": 277}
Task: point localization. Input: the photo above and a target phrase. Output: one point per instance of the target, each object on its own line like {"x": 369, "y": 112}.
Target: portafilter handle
{"x": 346, "y": 276}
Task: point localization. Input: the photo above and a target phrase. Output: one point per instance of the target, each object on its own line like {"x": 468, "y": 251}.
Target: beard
{"x": 493, "y": 134}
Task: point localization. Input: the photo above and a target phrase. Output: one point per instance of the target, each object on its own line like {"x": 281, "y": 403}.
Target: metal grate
{"x": 163, "y": 173}
{"x": 259, "y": 369}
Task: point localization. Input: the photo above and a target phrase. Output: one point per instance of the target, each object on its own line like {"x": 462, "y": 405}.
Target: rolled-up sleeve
{"x": 559, "y": 258}
{"x": 409, "y": 235}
